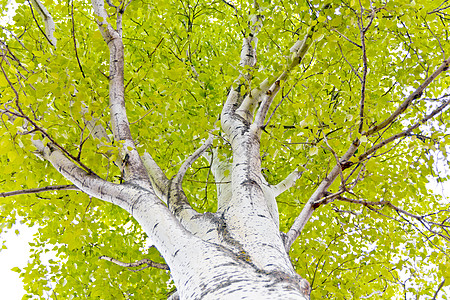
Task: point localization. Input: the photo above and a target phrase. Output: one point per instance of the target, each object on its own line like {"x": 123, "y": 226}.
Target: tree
{"x": 175, "y": 142}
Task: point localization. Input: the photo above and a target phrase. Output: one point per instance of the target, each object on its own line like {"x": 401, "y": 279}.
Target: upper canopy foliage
{"x": 181, "y": 58}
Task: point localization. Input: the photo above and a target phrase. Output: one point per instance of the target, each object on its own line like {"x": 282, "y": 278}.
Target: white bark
{"x": 133, "y": 166}
{"x": 287, "y": 183}
{"x": 250, "y": 213}
{"x": 250, "y": 102}
{"x": 221, "y": 171}
{"x": 200, "y": 269}
{"x": 235, "y": 253}
{"x": 159, "y": 181}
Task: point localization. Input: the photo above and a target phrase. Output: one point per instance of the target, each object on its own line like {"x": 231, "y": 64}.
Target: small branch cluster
{"x": 423, "y": 219}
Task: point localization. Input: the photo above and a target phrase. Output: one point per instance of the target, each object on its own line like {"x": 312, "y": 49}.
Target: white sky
{"x": 15, "y": 256}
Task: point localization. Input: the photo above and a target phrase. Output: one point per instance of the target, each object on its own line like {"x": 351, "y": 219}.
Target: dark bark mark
{"x": 249, "y": 182}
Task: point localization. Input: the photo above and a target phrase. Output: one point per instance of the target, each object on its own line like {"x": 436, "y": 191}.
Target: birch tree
{"x": 198, "y": 149}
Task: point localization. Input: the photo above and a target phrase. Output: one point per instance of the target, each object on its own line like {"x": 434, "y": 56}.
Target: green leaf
{"x": 313, "y": 151}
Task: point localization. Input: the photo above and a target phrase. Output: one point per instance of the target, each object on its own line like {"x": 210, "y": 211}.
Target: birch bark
{"x": 235, "y": 253}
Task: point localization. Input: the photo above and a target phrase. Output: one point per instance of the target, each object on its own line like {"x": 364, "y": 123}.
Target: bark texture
{"x": 235, "y": 253}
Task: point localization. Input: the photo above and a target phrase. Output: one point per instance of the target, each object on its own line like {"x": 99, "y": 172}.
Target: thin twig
{"x": 420, "y": 218}
{"x": 437, "y": 38}
{"x": 281, "y": 101}
{"x": 336, "y": 157}
{"x": 363, "y": 31}
{"x": 438, "y": 289}
{"x": 39, "y": 190}
{"x": 110, "y": 4}
{"x": 36, "y": 127}
{"x": 351, "y": 66}
{"x": 75, "y": 43}
{"x": 124, "y": 7}
{"x": 230, "y": 5}
{"x": 357, "y": 45}
{"x": 15, "y": 37}
{"x": 142, "y": 117}
{"x": 208, "y": 182}
{"x": 328, "y": 198}
{"x": 154, "y": 50}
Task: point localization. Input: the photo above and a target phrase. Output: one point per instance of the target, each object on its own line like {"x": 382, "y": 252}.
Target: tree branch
{"x": 17, "y": 39}
{"x": 336, "y": 157}
{"x": 39, "y": 190}
{"x": 329, "y": 197}
{"x": 405, "y": 132}
{"x": 177, "y": 200}
{"x": 351, "y": 66}
{"x": 88, "y": 183}
{"x": 141, "y": 262}
{"x": 340, "y": 34}
{"x": 420, "y": 218}
{"x": 414, "y": 95}
{"x": 298, "y": 52}
{"x": 266, "y": 91}
{"x": 287, "y": 183}
{"x": 75, "y": 42}
{"x": 191, "y": 159}
{"x": 265, "y": 105}
{"x": 363, "y": 31}
{"x": 158, "y": 179}
{"x": 248, "y": 52}
{"x": 133, "y": 166}
{"x": 311, "y": 205}
{"x": 438, "y": 289}
{"x": 229, "y": 116}
{"x": 164, "y": 230}
{"x": 248, "y": 60}
{"x": 21, "y": 114}
{"x": 248, "y": 106}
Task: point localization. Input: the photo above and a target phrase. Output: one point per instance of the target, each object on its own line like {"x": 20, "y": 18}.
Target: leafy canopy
{"x": 181, "y": 58}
